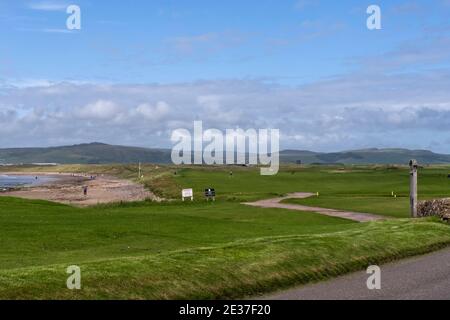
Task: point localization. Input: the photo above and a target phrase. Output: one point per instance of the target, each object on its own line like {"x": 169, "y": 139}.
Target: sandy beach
{"x": 68, "y": 189}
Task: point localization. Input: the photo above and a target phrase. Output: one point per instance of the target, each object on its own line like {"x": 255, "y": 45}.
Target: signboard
{"x": 210, "y": 193}
{"x": 187, "y": 193}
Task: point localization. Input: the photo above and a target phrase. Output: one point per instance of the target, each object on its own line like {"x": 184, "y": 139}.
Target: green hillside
{"x": 100, "y": 153}
{"x": 93, "y": 153}
{"x": 366, "y": 156}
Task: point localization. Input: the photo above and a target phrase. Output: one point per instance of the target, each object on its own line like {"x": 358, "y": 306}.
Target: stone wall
{"x": 439, "y": 207}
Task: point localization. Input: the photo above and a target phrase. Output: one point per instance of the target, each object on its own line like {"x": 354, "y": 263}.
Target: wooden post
{"x": 139, "y": 171}
{"x": 413, "y": 188}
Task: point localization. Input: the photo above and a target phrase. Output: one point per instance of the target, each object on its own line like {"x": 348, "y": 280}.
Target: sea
{"x": 13, "y": 181}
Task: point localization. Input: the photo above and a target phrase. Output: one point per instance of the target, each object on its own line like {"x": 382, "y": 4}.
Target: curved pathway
{"x": 276, "y": 203}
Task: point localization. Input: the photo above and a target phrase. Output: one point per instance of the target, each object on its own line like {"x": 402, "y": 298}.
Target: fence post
{"x": 413, "y": 188}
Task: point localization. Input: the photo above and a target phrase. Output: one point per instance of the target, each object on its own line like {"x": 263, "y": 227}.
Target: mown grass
{"x": 39, "y": 233}
{"x": 231, "y": 270}
{"x": 211, "y": 250}
{"x": 247, "y": 185}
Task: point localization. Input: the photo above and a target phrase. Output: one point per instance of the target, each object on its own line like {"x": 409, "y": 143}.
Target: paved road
{"x": 421, "y": 278}
{"x": 276, "y": 203}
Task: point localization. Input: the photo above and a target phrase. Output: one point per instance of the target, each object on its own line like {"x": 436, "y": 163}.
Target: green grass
{"x": 231, "y": 270}
{"x": 433, "y": 183}
{"x": 213, "y": 250}
{"x": 247, "y": 184}
{"x": 40, "y": 233}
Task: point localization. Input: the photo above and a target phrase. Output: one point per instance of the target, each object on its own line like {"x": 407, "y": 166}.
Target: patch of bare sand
{"x": 68, "y": 189}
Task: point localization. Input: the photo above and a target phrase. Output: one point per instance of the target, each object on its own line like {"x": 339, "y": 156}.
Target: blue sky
{"x": 177, "y": 41}
{"x": 315, "y": 60}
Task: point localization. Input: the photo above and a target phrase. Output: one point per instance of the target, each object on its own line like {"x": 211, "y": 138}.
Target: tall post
{"x": 139, "y": 171}
{"x": 413, "y": 188}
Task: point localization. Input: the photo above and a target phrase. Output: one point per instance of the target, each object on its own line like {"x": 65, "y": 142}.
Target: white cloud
{"x": 153, "y": 113}
{"x": 188, "y": 44}
{"x": 205, "y": 43}
{"x": 100, "y": 110}
{"x": 302, "y": 4}
{"x": 57, "y": 31}
{"x": 48, "y": 6}
{"x": 354, "y": 111}
{"x": 429, "y": 51}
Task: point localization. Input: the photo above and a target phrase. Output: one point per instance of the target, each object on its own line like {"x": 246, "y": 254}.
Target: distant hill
{"x": 100, "y": 153}
{"x": 92, "y": 153}
{"x": 366, "y": 156}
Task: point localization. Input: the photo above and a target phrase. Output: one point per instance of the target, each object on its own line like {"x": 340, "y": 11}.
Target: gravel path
{"x": 276, "y": 203}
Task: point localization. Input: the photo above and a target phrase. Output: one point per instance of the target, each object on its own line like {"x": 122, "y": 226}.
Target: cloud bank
{"x": 354, "y": 111}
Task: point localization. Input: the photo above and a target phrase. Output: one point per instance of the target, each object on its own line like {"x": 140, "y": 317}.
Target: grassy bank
{"x": 212, "y": 250}
{"x": 35, "y": 233}
{"x": 231, "y": 270}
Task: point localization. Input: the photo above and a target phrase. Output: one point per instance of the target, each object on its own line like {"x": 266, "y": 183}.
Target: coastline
{"x": 68, "y": 188}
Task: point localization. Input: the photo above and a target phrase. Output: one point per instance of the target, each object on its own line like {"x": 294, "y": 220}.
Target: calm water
{"x": 10, "y": 181}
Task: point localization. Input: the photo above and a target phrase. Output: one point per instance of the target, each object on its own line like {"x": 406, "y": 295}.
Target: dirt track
{"x": 276, "y": 203}
{"x": 68, "y": 189}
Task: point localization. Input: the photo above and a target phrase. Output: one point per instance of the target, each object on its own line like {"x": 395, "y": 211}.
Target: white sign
{"x": 187, "y": 193}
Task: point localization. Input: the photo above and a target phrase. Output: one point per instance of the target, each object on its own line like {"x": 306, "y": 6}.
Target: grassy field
{"x": 213, "y": 250}
{"x": 46, "y": 233}
{"x": 247, "y": 184}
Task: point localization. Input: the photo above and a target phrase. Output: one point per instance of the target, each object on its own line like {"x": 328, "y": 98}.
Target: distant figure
{"x": 231, "y": 173}
{"x": 36, "y": 178}
{"x": 85, "y": 190}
